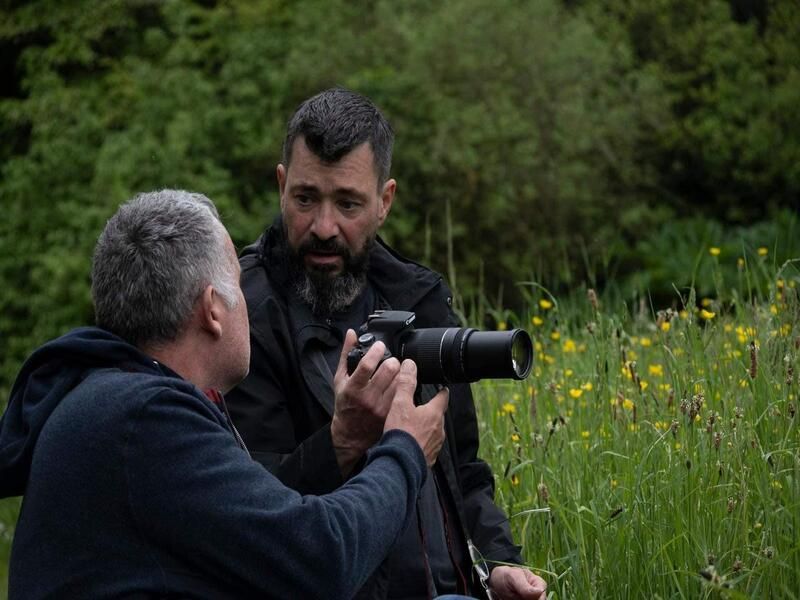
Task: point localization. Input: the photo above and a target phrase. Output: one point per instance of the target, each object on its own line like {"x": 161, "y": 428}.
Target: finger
{"x": 350, "y": 340}
{"x": 367, "y": 365}
{"x": 531, "y": 578}
{"x": 522, "y": 583}
{"x": 391, "y": 390}
{"x": 539, "y": 586}
{"x": 385, "y": 375}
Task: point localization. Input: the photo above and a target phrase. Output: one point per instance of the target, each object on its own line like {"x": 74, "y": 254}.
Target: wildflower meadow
{"x": 654, "y": 452}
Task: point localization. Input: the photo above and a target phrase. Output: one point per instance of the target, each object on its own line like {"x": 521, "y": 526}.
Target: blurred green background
{"x": 561, "y": 141}
{"x": 574, "y": 143}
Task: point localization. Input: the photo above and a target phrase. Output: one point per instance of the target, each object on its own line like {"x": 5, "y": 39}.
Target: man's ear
{"x": 280, "y": 173}
{"x": 209, "y": 306}
{"x": 387, "y": 197}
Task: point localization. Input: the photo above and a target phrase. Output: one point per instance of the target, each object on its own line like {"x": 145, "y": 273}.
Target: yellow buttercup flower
{"x": 569, "y": 346}
{"x": 763, "y": 251}
{"x": 555, "y": 336}
{"x": 575, "y": 392}
{"x": 537, "y": 321}
{"x": 509, "y": 408}
{"x": 665, "y": 326}
{"x": 656, "y": 370}
{"x": 714, "y": 251}
{"x": 545, "y": 304}
{"x": 707, "y": 314}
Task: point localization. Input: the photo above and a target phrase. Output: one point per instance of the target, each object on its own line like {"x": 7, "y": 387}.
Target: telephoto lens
{"x": 446, "y": 354}
{"x": 463, "y": 355}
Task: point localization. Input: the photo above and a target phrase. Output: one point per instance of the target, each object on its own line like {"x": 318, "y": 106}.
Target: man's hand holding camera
{"x": 379, "y": 396}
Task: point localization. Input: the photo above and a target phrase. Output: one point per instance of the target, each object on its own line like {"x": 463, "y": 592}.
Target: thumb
{"x": 439, "y": 402}
{"x": 406, "y": 382}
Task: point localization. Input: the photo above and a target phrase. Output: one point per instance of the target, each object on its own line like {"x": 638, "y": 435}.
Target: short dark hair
{"x": 152, "y": 261}
{"x": 337, "y": 120}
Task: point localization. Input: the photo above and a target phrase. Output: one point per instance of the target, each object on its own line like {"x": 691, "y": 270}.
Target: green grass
{"x": 650, "y": 460}
{"x": 644, "y": 460}
{"x": 9, "y": 509}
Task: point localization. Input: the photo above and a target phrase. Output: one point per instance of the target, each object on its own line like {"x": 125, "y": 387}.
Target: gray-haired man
{"x": 135, "y": 482}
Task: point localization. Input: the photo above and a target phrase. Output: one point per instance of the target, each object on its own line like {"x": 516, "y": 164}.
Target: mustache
{"x": 329, "y": 246}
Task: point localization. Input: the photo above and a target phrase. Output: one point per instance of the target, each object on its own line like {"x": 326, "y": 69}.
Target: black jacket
{"x": 136, "y": 487}
{"x": 284, "y": 407}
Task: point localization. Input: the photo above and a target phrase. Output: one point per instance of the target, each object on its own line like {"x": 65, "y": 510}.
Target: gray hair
{"x": 154, "y": 258}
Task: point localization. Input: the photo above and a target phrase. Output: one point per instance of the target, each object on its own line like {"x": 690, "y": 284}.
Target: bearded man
{"x": 315, "y": 275}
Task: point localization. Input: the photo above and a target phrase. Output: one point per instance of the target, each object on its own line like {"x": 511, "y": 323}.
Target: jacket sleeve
{"x": 486, "y": 523}
{"x": 261, "y": 406}
{"x": 195, "y": 494}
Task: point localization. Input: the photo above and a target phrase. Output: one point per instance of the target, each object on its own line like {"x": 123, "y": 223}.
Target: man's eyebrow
{"x": 339, "y": 191}
{"x": 303, "y": 187}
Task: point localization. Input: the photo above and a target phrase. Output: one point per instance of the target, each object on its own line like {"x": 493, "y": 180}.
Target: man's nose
{"x": 325, "y": 225}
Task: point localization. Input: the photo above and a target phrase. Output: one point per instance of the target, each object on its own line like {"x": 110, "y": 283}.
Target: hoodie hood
{"x": 51, "y": 373}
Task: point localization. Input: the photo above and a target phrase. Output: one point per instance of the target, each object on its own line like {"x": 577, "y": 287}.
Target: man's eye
{"x": 348, "y": 205}
{"x": 303, "y": 200}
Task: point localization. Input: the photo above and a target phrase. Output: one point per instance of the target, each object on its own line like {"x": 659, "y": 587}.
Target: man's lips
{"x": 323, "y": 258}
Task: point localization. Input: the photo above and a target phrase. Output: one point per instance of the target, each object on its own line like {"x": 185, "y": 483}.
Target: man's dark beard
{"x": 324, "y": 293}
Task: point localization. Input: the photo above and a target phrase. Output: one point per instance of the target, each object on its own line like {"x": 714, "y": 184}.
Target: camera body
{"x": 445, "y": 354}
{"x": 385, "y": 326}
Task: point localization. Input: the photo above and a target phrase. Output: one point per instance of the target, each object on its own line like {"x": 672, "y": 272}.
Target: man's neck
{"x": 186, "y": 358}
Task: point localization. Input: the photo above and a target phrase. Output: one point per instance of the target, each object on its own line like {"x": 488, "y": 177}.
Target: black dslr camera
{"x": 446, "y": 354}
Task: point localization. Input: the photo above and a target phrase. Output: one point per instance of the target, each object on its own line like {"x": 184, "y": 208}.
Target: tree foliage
{"x": 534, "y": 139}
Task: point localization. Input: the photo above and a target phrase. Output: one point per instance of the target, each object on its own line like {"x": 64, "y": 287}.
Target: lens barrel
{"x": 461, "y": 355}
